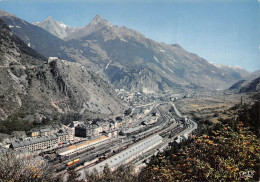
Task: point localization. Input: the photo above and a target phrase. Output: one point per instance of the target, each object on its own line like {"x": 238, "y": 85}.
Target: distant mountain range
{"x": 234, "y": 70}
{"x": 56, "y": 28}
{"x": 31, "y": 88}
{"x": 124, "y": 57}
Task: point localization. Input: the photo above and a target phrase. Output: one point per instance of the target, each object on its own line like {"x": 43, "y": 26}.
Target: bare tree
{"x": 15, "y": 168}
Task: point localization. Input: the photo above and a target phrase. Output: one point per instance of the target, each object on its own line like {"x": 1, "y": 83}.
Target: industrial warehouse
{"x": 128, "y": 154}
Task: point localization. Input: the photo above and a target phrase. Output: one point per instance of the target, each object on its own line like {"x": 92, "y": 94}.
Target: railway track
{"x": 86, "y": 154}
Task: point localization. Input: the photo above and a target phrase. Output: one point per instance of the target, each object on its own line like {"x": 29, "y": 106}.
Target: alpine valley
{"x": 105, "y": 103}
{"x": 92, "y": 62}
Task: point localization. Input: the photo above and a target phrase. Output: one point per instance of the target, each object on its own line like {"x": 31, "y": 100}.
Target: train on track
{"x": 85, "y": 161}
{"x": 73, "y": 162}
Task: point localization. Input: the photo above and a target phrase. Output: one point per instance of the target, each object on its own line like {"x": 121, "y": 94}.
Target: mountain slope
{"x": 254, "y": 74}
{"x": 35, "y": 37}
{"x": 96, "y": 24}
{"x": 56, "y": 28}
{"x": 17, "y": 57}
{"x": 236, "y": 71}
{"x": 244, "y": 86}
{"x": 132, "y": 61}
{"x": 34, "y": 89}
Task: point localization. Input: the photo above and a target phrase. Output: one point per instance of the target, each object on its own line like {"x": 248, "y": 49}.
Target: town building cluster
{"x": 93, "y": 129}
{"x": 39, "y": 140}
{"x": 44, "y": 139}
{"x": 134, "y": 97}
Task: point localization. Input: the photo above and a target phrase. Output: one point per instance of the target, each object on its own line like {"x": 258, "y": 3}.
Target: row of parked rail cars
{"x": 93, "y": 159}
{"x": 60, "y": 158}
{"x": 87, "y": 161}
{"x": 139, "y": 136}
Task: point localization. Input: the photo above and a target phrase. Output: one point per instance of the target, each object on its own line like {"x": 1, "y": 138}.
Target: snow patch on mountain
{"x": 155, "y": 58}
{"x": 59, "y": 29}
{"x": 63, "y": 25}
{"x": 226, "y": 66}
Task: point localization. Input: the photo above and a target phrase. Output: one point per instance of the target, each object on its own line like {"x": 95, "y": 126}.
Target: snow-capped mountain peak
{"x": 59, "y": 29}
{"x": 63, "y": 25}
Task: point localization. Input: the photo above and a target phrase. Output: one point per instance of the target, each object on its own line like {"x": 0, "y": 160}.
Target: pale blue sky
{"x": 221, "y": 31}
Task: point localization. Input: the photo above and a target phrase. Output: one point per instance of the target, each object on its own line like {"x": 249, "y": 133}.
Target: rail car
{"x": 90, "y": 163}
{"x": 104, "y": 153}
{"x": 147, "y": 133}
{"x": 61, "y": 168}
{"x": 73, "y": 162}
{"x": 164, "y": 134}
{"x": 80, "y": 163}
{"x": 120, "y": 148}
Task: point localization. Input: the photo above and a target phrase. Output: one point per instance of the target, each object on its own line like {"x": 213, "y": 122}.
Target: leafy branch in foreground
{"x": 221, "y": 156}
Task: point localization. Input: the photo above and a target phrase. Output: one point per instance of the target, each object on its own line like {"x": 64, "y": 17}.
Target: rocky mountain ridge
{"x": 56, "y": 28}
{"x": 234, "y": 70}
{"x": 120, "y": 51}
{"x": 96, "y": 24}
{"x": 244, "y": 86}
{"x": 35, "y": 37}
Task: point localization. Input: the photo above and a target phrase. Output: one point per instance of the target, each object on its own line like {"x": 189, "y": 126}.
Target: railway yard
{"x": 135, "y": 144}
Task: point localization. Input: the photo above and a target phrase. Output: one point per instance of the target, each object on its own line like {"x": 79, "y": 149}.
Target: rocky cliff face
{"x": 74, "y": 89}
{"x": 15, "y": 58}
{"x": 36, "y": 89}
